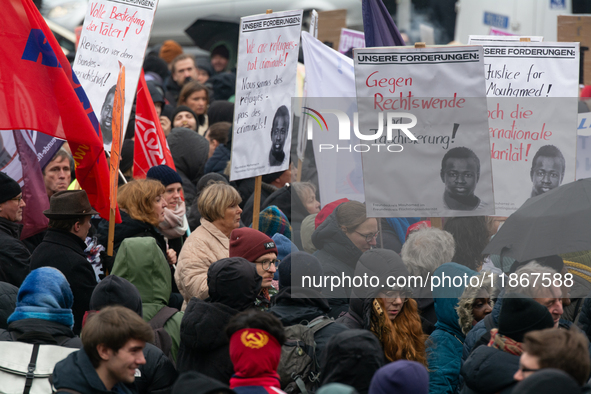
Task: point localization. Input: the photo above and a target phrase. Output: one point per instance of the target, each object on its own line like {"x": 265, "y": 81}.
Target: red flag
{"x": 39, "y": 91}
{"x": 150, "y": 148}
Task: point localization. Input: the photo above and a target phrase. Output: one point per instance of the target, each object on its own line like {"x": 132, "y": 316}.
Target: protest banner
{"x": 330, "y": 74}
{"x": 583, "y": 169}
{"x": 39, "y": 91}
{"x": 532, "y": 109}
{"x": 429, "y": 154}
{"x": 114, "y": 31}
{"x": 150, "y": 147}
{"x": 351, "y": 39}
{"x": 265, "y": 82}
{"x": 476, "y": 40}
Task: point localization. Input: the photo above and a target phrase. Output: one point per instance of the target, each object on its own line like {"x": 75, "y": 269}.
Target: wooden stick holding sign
{"x": 256, "y": 208}
{"x": 118, "y": 121}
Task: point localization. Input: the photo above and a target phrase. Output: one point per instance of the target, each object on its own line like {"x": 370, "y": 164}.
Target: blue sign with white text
{"x": 496, "y": 20}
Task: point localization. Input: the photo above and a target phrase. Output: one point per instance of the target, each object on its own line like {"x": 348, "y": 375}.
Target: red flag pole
{"x": 118, "y": 105}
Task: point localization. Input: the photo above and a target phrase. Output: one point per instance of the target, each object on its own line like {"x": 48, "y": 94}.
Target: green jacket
{"x": 141, "y": 262}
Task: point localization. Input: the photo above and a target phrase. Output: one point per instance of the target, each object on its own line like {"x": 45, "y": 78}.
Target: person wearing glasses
{"x": 495, "y": 366}
{"x": 389, "y": 312}
{"x": 460, "y": 172}
{"x": 340, "y": 240}
{"x": 14, "y": 255}
{"x": 261, "y": 250}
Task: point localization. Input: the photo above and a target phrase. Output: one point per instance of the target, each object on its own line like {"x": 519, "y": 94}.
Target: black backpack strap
{"x": 31, "y": 369}
{"x": 160, "y": 319}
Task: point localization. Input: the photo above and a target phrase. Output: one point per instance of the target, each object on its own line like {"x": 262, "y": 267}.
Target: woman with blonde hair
{"x": 196, "y": 97}
{"x": 210, "y": 242}
{"x": 141, "y": 203}
{"x": 388, "y": 312}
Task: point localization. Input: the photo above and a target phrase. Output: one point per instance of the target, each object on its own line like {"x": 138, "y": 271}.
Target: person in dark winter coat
{"x": 490, "y": 369}
{"x": 352, "y": 357}
{"x": 301, "y": 203}
{"x": 220, "y": 111}
{"x": 8, "y": 294}
{"x": 300, "y": 305}
{"x": 43, "y": 311}
{"x": 548, "y": 381}
{"x": 63, "y": 247}
{"x": 14, "y": 255}
{"x": 189, "y": 151}
{"x": 221, "y": 155}
{"x": 341, "y": 239}
{"x": 233, "y": 287}
{"x": 194, "y": 217}
{"x": 113, "y": 340}
{"x": 271, "y": 183}
{"x": 158, "y": 374}
{"x": 445, "y": 345}
{"x": 192, "y": 382}
{"x": 401, "y": 377}
{"x": 389, "y": 313}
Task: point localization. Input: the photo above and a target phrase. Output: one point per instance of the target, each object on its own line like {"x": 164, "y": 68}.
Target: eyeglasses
{"x": 394, "y": 295}
{"x": 18, "y": 198}
{"x": 369, "y": 237}
{"x": 266, "y": 264}
{"x": 525, "y": 369}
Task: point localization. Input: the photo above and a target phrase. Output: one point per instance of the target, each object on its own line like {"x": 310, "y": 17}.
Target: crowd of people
{"x": 196, "y": 300}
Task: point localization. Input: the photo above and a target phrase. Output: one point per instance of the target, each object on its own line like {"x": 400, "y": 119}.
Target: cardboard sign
{"x": 265, "y": 83}
{"x": 114, "y": 31}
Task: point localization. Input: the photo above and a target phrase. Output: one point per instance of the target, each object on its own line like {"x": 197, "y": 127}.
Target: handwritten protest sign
{"x": 532, "y": 111}
{"x": 265, "y": 82}
{"x": 114, "y": 31}
{"x": 423, "y": 122}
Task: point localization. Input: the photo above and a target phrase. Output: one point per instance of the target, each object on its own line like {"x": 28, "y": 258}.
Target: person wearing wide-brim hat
{"x": 63, "y": 247}
{"x": 14, "y": 256}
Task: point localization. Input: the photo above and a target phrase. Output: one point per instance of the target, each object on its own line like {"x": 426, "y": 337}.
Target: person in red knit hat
{"x": 259, "y": 249}
{"x": 255, "y": 349}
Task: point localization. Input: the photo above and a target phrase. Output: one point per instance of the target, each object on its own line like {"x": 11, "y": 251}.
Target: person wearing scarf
{"x": 255, "y": 349}
{"x": 491, "y": 368}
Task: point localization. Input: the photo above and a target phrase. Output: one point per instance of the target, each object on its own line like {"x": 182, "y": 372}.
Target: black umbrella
{"x": 556, "y": 222}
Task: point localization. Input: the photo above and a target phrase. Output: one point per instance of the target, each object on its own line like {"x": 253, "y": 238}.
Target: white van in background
{"x": 514, "y": 17}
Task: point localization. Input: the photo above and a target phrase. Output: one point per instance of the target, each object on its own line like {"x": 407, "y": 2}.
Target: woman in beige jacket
{"x": 220, "y": 214}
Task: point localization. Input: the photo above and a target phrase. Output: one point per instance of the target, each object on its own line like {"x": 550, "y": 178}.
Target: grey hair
{"x": 300, "y": 189}
{"x": 425, "y": 250}
{"x": 528, "y": 271}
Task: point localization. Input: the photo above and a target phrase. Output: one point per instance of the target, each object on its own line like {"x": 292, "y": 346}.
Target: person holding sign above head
{"x": 279, "y": 136}
{"x": 460, "y": 172}
{"x": 107, "y": 115}
{"x": 547, "y": 169}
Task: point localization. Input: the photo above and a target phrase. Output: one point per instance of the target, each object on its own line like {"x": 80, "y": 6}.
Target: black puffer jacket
{"x": 65, "y": 251}
{"x": 8, "y": 295}
{"x": 129, "y": 228}
{"x": 489, "y": 370}
{"x": 233, "y": 286}
{"x": 292, "y": 311}
{"x": 14, "y": 255}
{"x": 189, "y": 151}
{"x": 49, "y": 333}
{"x": 266, "y": 191}
{"x": 352, "y": 357}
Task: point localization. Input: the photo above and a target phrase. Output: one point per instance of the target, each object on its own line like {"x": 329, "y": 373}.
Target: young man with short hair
{"x": 566, "y": 350}
{"x": 460, "y": 172}
{"x": 547, "y": 170}
{"x": 113, "y": 341}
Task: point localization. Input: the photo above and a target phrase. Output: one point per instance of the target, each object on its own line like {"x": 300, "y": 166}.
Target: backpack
{"x": 162, "y": 339}
{"x": 298, "y": 367}
{"x": 26, "y": 368}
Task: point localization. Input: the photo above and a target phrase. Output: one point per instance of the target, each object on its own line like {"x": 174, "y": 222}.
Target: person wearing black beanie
{"x": 183, "y": 116}
{"x": 491, "y": 368}
{"x": 14, "y": 256}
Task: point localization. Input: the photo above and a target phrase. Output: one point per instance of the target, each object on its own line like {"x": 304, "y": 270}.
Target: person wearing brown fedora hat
{"x": 63, "y": 247}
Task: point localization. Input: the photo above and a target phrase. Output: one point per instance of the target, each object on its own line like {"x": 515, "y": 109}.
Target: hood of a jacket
{"x": 76, "y": 372}
{"x": 234, "y": 282}
{"x": 190, "y": 152}
{"x": 308, "y": 305}
{"x": 140, "y": 261}
{"x": 203, "y": 323}
{"x": 352, "y": 357}
{"x": 489, "y": 370}
{"x": 330, "y": 238}
{"x": 446, "y": 296}
{"x": 115, "y": 290}
{"x": 11, "y": 228}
